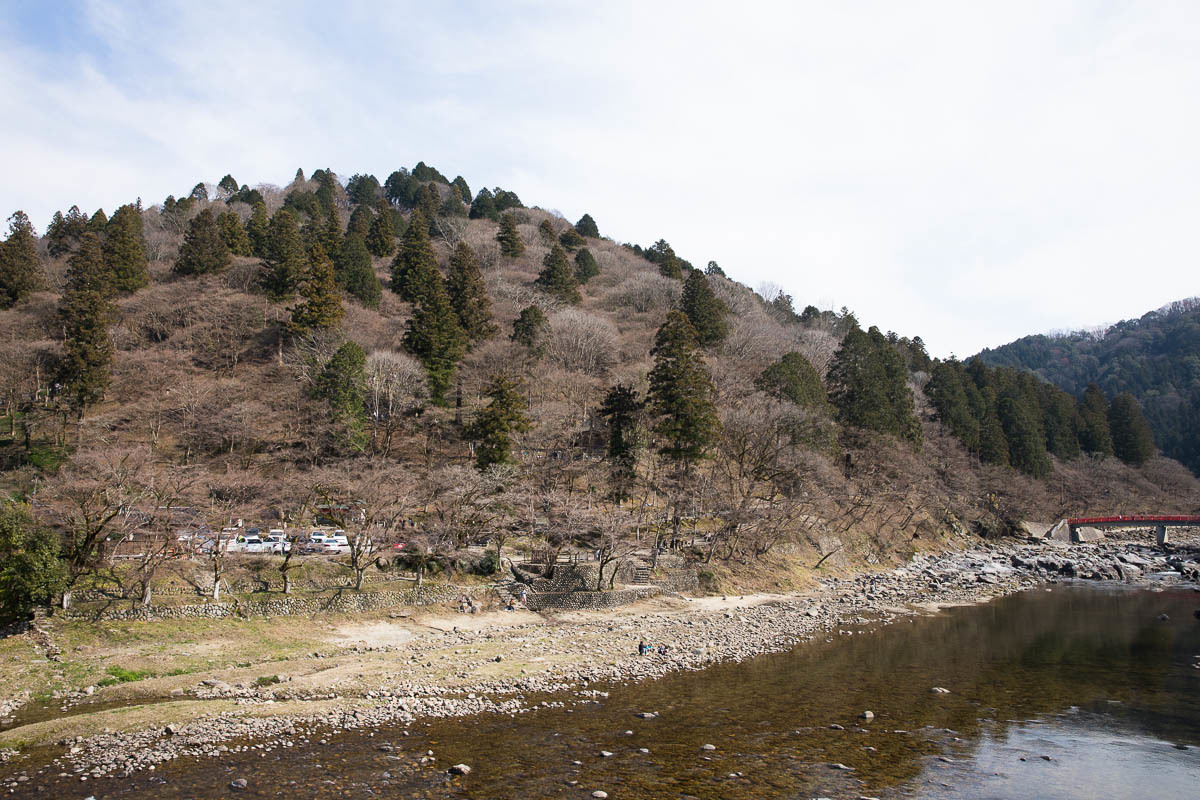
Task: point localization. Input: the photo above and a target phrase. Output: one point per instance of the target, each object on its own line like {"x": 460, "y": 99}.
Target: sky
{"x": 966, "y": 172}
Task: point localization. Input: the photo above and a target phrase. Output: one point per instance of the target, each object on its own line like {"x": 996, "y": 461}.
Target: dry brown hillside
{"x": 199, "y": 396}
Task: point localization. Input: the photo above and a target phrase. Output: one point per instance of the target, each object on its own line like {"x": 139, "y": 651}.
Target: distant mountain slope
{"x": 1156, "y": 358}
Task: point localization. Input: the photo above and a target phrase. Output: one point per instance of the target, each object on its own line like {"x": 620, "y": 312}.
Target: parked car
{"x": 333, "y": 547}
{"x": 277, "y": 542}
{"x": 244, "y": 543}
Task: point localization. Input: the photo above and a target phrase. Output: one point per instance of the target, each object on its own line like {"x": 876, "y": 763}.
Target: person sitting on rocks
{"x": 643, "y": 648}
{"x": 662, "y": 649}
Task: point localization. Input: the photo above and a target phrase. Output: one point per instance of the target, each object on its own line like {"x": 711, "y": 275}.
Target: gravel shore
{"x": 572, "y": 660}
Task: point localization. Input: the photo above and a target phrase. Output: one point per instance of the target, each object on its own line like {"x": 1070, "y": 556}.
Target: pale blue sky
{"x": 967, "y": 172}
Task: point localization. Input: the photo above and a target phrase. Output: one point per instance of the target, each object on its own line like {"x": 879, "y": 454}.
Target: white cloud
{"x": 966, "y": 172}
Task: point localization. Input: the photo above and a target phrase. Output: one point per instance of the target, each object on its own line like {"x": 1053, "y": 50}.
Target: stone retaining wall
{"x": 580, "y": 601}
{"x": 341, "y": 602}
{"x": 681, "y": 580}
{"x": 203, "y": 587}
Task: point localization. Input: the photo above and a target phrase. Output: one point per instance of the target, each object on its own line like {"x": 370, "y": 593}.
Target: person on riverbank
{"x": 643, "y": 648}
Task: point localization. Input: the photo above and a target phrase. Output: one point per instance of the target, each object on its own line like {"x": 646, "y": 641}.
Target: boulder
{"x": 1035, "y": 530}
{"x": 1085, "y": 535}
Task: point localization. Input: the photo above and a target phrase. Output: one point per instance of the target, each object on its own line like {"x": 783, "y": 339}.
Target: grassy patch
{"x": 122, "y": 675}
{"x": 266, "y": 680}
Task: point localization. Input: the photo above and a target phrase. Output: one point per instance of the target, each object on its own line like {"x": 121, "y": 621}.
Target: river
{"x": 1076, "y": 691}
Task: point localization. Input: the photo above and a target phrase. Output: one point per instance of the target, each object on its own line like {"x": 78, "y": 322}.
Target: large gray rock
{"x": 1035, "y": 530}
{"x": 1083, "y": 535}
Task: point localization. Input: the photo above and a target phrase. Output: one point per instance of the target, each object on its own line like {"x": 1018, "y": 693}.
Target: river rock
{"x": 600, "y": 795}
{"x": 459, "y": 769}
{"x": 939, "y": 690}
{"x": 709, "y": 747}
{"x": 238, "y": 784}
{"x": 867, "y": 715}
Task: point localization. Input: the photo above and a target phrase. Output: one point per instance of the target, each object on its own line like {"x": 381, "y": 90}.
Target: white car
{"x": 334, "y": 546}
{"x": 248, "y": 544}
{"x": 277, "y": 542}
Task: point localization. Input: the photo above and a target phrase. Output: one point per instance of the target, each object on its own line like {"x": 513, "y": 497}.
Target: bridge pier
{"x": 1160, "y": 534}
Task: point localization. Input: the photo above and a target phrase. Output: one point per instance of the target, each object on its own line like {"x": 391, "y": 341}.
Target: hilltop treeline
{"x": 1155, "y": 358}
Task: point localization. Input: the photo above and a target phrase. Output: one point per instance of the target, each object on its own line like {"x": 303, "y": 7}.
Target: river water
{"x": 1075, "y": 692}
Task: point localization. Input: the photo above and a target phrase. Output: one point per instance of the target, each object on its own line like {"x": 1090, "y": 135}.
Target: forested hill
{"x": 1155, "y": 358}
{"x": 482, "y": 369}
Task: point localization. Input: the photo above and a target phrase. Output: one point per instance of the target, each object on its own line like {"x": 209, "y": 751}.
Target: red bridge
{"x": 1160, "y": 522}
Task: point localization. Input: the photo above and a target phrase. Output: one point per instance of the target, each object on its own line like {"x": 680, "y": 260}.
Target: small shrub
{"x": 266, "y": 680}
{"x": 708, "y": 581}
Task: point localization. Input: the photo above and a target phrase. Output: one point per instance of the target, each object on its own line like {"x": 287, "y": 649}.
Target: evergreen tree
{"x": 98, "y": 222}
{"x": 531, "y": 329}
{"x": 84, "y": 310}
{"x": 381, "y": 236}
{"x": 363, "y": 190}
{"x": 586, "y": 267}
{"x": 1094, "y": 433}
{"x": 199, "y": 192}
{"x": 228, "y": 186}
{"x": 360, "y": 222}
{"x": 327, "y": 192}
{"x": 1026, "y": 441}
{"x": 484, "y": 206}
{"x": 570, "y": 239}
{"x": 464, "y": 191}
{"x": 123, "y": 249}
{"x": 945, "y": 391}
{"x": 546, "y": 232}
{"x": 331, "y": 233}
{"x": 494, "y": 425}
{"x": 20, "y": 266}
{"x": 203, "y": 250}
{"x": 415, "y": 267}
{"x": 343, "y": 385}
{"x": 557, "y": 279}
{"x": 714, "y": 268}
{"x": 1132, "y": 440}
{"x": 509, "y": 237}
{"x": 704, "y": 310}
{"x": 31, "y": 571}
{"x": 681, "y": 392}
{"x": 453, "y": 205}
{"x": 993, "y": 444}
{"x": 320, "y": 307}
{"x": 1060, "y": 420}
{"x": 794, "y": 379}
{"x": 429, "y": 201}
{"x": 669, "y": 264}
{"x": 64, "y": 231}
{"x": 587, "y": 227}
{"x": 258, "y": 230}
{"x": 435, "y": 337}
{"x": 285, "y": 260}
{"x": 233, "y": 233}
{"x": 356, "y": 273}
{"x": 468, "y": 295}
{"x": 620, "y": 409}
{"x": 869, "y": 386}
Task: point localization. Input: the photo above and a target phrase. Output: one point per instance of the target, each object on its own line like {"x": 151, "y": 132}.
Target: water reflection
{"x": 1111, "y": 688}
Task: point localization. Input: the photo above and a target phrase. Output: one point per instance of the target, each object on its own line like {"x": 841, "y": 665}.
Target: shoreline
{"x": 494, "y": 665}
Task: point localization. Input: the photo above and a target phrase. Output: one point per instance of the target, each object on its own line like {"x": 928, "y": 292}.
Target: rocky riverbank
{"x": 516, "y": 669}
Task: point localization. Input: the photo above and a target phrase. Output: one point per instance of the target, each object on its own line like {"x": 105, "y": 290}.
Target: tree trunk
{"x": 146, "y": 591}
{"x": 358, "y": 578}
{"x": 66, "y": 599}
{"x": 287, "y": 583}
{"x": 216, "y": 595}
{"x": 420, "y": 575}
